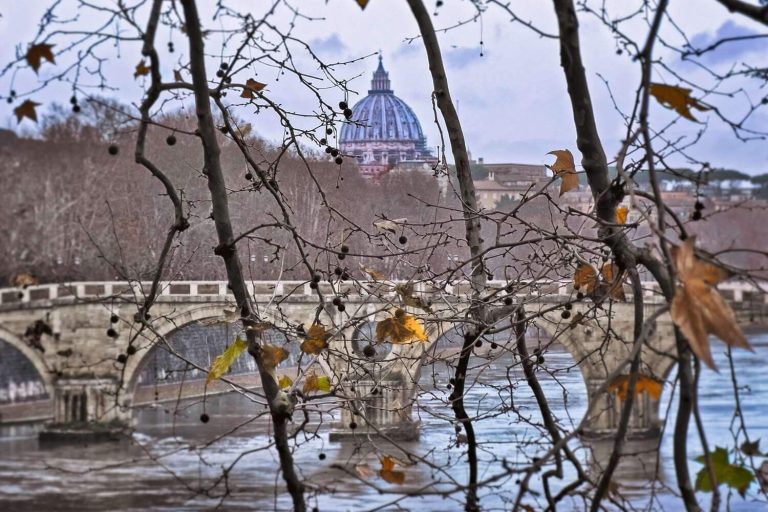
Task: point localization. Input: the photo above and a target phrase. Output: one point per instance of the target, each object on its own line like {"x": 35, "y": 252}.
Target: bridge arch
{"x": 34, "y": 357}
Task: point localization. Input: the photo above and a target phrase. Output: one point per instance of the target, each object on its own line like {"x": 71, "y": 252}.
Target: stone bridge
{"x": 70, "y": 352}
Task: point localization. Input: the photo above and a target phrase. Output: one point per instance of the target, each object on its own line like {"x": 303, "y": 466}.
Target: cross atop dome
{"x": 380, "y": 82}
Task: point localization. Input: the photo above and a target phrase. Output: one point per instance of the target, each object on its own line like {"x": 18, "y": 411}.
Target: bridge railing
{"x": 734, "y": 291}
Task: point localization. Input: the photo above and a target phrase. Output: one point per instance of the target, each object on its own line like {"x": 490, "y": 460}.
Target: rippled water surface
{"x": 176, "y": 463}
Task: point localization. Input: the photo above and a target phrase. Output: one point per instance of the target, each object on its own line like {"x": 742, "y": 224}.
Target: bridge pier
{"x": 599, "y": 343}
{"x": 84, "y": 409}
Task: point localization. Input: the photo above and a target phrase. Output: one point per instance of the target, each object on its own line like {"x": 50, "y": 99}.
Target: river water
{"x": 175, "y": 463}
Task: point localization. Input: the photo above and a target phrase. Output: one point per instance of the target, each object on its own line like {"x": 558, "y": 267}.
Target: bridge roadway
{"x": 60, "y": 329}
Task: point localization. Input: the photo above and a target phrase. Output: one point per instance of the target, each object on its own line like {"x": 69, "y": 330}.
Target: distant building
{"x": 508, "y": 181}
{"x": 384, "y": 133}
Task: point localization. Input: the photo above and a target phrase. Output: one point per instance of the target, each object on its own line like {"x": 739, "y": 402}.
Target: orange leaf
{"x": 614, "y": 279}
{"x": 251, "y": 86}
{"x": 676, "y": 98}
{"x": 38, "y": 52}
{"x": 25, "y": 279}
{"x": 585, "y": 278}
{"x": 621, "y": 214}
{"x": 271, "y": 356}
{"x": 565, "y": 169}
{"x": 698, "y": 309}
{"x": 26, "y": 109}
{"x": 376, "y": 275}
{"x": 316, "y": 340}
{"x": 388, "y": 472}
{"x": 644, "y": 383}
{"x": 401, "y": 328}
{"x": 688, "y": 266}
{"x": 141, "y": 69}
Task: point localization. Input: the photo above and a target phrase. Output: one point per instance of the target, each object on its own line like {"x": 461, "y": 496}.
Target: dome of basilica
{"x": 383, "y": 130}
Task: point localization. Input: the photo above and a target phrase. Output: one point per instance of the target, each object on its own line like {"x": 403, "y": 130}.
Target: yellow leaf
{"x": 313, "y": 382}
{"x": 565, "y": 169}
{"x": 376, "y": 275}
{"x": 676, "y": 98}
{"x": 26, "y": 109}
{"x": 284, "y": 382}
{"x": 388, "y": 472}
{"x": 141, "y": 69}
{"x": 621, "y": 214}
{"x": 224, "y": 361}
{"x": 271, "y": 356}
{"x": 316, "y": 340}
{"x": 644, "y": 383}
{"x": 698, "y": 309}
{"x": 585, "y": 278}
{"x": 37, "y": 52}
{"x": 401, "y": 328}
{"x": 362, "y": 3}
{"x": 251, "y": 86}
{"x": 405, "y": 291}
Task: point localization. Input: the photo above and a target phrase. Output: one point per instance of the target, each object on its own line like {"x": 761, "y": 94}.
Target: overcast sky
{"x": 512, "y": 99}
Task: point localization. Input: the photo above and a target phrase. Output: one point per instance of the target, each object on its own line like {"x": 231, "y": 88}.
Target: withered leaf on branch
{"x": 38, "y": 52}
{"x": 314, "y": 382}
{"x": 271, "y": 356}
{"x": 251, "y": 86}
{"x": 608, "y": 282}
{"x": 362, "y": 3}
{"x": 390, "y": 225}
{"x": 316, "y": 340}
{"x": 698, "y": 309}
{"x": 26, "y": 109}
{"x": 400, "y": 328}
{"x": 141, "y": 69}
{"x": 621, "y": 214}
{"x": 677, "y": 98}
{"x": 24, "y": 279}
{"x": 226, "y": 359}
{"x": 405, "y": 292}
{"x": 644, "y": 384}
{"x": 565, "y": 169}
{"x": 389, "y": 473}
{"x": 376, "y": 275}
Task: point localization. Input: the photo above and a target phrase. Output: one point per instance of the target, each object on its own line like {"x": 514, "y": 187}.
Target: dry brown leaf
{"x": 676, "y": 98}
{"x": 314, "y": 382}
{"x": 645, "y": 383}
{"x": 177, "y": 75}
{"x": 251, "y": 86}
{"x": 621, "y": 214}
{"x": 405, "y": 291}
{"x": 25, "y": 279}
{"x": 271, "y": 356}
{"x": 565, "y": 169}
{"x": 400, "y": 328}
{"x": 316, "y": 340}
{"x": 364, "y": 470}
{"x": 698, "y": 309}
{"x": 390, "y": 225}
{"x": 141, "y": 69}
{"x": 614, "y": 280}
{"x": 362, "y": 3}
{"x": 376, "y": 275}
{"x": 388, "y": 472}
{"x": 585, "y": 278}
{"x": 26, "y": 109}
{"x": 38, "y": 52}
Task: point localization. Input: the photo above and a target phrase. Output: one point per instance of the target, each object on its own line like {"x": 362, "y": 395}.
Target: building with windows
{"x": 384, "y": 132}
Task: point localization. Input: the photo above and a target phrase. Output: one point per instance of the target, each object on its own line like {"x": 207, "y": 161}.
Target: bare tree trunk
{"x": 281, "y": 409}
{"x": 472, "y": 232}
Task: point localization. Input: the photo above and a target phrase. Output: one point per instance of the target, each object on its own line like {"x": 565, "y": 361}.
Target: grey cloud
{"x": 462, "y": 57}
{"x": 331, "y": 45}
{"x": 730, "y": 51}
